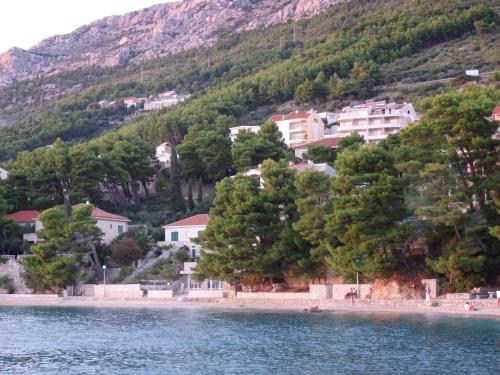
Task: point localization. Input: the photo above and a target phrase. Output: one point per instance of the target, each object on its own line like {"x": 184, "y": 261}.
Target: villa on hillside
{"x": 163, "y": 154}
{"x": 300, "y": 167}
{"x": 164, "y": 100}
{"x": 182, "y": 233}
{"x": 300, "y": 127}
{"x": 3, "y": 174}
{"x": 300, "y": 150}
{"x": 375, "y": 120}
{"x": 233, "y": 132}
{"x": 110, "y": 224}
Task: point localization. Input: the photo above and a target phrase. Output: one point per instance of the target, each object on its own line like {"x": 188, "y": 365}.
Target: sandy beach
{"x": 486, "y": 308}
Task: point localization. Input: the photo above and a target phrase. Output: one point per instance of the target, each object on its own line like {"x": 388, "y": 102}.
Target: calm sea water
{"x": 191, "y": 341}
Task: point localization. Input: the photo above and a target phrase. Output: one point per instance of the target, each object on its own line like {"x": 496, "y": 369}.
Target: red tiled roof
{"x": 496, "y": 110}
{"x": 299, "y": 166}
{"x": 200, "y": 219}
{"x": 291, "y": 116}
{"x": 330, "y": 142}
{"x": 97, "y": 213}
{"x": 24, "y": 216}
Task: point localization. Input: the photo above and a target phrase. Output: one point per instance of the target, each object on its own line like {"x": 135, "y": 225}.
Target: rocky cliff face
{"x": 151, "y": 32}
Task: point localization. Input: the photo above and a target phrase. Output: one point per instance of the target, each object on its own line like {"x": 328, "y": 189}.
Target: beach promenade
{"x": 485, "y": 307}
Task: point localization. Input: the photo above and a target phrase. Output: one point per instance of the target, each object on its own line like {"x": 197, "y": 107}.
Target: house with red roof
{"x": 300, "y": 150}
{"x": 110, "y": 224}
{"x": 300, "y": 127}
{"x": 495, "y": 114}
{"x": 182, "y": 232}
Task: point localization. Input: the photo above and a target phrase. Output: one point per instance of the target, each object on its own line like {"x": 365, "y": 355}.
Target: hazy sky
{"x": 24, "y": 23}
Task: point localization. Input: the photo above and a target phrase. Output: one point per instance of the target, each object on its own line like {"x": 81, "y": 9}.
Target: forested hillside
{"x": 422, "y": 202}
{"x": 351, "y": 45}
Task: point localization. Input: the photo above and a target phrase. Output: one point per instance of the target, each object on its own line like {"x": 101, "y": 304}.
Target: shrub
{"x": 6, "y": 283}
{"x": 126, "y": 251}
{"x": 165, "y": 269}
{"x": 182, "y": 256}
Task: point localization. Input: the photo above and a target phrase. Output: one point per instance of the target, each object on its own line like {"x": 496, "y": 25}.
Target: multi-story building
{"x": 375, "y": 120}
{"x": 233, "y": 132}
{"x": 300, "y": 127}
{"x": 182, "y": 233}
{"x": 166, "y": 99}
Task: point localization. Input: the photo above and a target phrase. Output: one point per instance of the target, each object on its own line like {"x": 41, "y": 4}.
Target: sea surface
{"x": 207, "y": 341}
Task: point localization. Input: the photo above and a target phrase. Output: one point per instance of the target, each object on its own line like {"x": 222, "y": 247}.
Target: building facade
{"x": 300, "y": 127}
{"x": 375, "y": 120}
{"x": 233, "y": 132}
{"x": 163, "y": 154}
{"x": 110, "y": 224}
{"x": 182, "y": 233}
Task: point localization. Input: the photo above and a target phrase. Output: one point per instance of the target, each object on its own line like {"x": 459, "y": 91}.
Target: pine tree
{"x": 177, "y": 202}
{"x": 190, "y": 200}
{"x": 199, "y": 199}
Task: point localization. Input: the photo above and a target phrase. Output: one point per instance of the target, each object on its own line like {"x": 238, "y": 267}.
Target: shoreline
{"x": 486, "y": 309}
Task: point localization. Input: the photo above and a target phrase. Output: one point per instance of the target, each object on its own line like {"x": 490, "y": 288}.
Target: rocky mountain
{"x": 149, "y": 33}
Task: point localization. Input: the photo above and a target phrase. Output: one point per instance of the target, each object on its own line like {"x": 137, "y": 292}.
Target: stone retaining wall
{"x": 118, "y": 291}
{"x": 160, "y": 294}
{"x": 201, "y": 293}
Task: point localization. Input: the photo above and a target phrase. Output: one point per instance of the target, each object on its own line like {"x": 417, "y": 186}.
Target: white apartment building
{"x": 300, "y": 127}
{"x": 375, "y": 120}
{"x": 166, "y": 99}
{"x": 233, "y": 132}
{"x": 3, "y": 174}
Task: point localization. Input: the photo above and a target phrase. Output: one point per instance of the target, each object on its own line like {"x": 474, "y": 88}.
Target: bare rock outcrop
{"x": 149, "y": 33}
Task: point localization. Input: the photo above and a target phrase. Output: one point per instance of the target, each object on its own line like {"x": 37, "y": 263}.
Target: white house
{"x": 163, "y": 154}
{"x": 233, "y": 132}
{"x": 299, "y": 167}
{"x": 110, "y": 224}
{"x": 375, "y": 120}
{"x": 3, "y": 174}
{"x": 182, "y": 232}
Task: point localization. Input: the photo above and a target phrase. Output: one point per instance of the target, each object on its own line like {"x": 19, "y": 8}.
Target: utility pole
{"x": 294, "y": 32}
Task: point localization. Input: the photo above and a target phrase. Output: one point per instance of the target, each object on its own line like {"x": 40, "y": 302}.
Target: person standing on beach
{"x": 428, "y": 293}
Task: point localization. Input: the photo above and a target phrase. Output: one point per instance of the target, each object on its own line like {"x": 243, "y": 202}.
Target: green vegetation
{"x": 57, "y": 261}
{"x": 435, "y": 182}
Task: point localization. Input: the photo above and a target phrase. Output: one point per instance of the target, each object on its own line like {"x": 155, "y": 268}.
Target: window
{"x": 174, "y": 236}
{"x": 110, "y": 226}
{"x": 194, "y": 285}
{"x": 193, "y": 252}
{"x": 120, "y": 229}
{"x": 214, "y": 284}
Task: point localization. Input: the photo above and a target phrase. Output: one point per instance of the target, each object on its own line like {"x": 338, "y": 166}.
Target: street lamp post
{"x": 104, "y": 270}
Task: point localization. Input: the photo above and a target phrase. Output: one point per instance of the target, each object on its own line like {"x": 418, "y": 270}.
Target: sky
{"x": 24, "y": 23}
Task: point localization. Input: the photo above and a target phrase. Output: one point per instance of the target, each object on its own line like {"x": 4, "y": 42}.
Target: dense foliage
{"x": 435, "y": 184}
